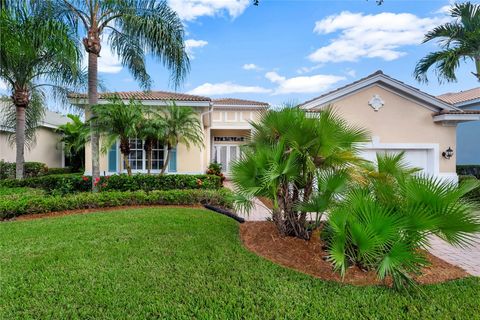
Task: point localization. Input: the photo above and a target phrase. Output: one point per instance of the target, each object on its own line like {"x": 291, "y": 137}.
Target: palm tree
{"x": 131, "y": 28}
{"x": 151, "y": 129}
{"x": 459, "y": 40}
{"x": 181, "y": 125}
{"x": 117, "y": 120}
{"x": 298, "y": 161}
{"x": 75, "y": 135}
{"x": 36, "y": 51}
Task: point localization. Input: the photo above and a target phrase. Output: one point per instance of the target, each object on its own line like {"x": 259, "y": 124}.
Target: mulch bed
{"x": 263, "y": 239}
{"x": 94, "y": 210}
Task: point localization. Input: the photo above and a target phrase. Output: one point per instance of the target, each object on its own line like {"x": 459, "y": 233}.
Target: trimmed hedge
{"x": 474, "y": 194}
{"x": 70, "y": 183}
{"x": 60, "y": 170}
{"x": 469, "y": 170}
{"x": 30, "y": 169}
{"x": 11, "y": 207}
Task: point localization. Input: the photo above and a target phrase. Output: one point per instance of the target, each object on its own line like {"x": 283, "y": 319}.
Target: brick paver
{"x": 466, "y": 258}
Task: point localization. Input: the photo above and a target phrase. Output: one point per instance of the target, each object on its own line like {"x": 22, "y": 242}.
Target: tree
{"x": 131, "y": 28}
{"x": 36, "y": 52}
{"x": 299, "y": 161}
{"x": 181, "y": 125}
{"x": 151, "y": 130}
{"x": 117, "y": 120}
{"x": 459, "y": 41}
{"x": 75, "y": 135}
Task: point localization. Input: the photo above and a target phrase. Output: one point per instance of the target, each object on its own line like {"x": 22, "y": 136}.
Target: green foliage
{"x": 384, "y": 225}
{"x": 71, "y": 183}
{"x": 31, "y": 169}
{"x": 216, "y": 169}
{"x": 291, "y": 151}
{"x": 19, "y": 191}
{"x": 75, "y": 135}
{"x": 459, "y": 40}
{"x": 469, "y": 170}
{"x": 30, "y": 204}
{"x": 60, "y": 170}
{"x": 184, "y": 263}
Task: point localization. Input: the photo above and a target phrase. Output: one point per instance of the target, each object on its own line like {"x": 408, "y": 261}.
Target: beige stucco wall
{"x": 400, "y": 120}
{"x": 225, "y": 118}
{"x": 47, "y": 148}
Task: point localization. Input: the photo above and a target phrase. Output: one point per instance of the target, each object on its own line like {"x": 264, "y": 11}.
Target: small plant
{"x": 215, "y": 168}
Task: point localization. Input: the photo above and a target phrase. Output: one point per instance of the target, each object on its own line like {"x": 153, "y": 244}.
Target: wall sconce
{"x": 447, "y": 154}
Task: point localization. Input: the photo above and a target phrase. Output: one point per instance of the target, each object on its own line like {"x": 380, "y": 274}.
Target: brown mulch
{"x": 93, "y": 210}
{"x": 263, "y": 239}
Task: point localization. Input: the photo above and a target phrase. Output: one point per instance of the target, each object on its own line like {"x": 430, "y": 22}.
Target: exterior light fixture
{"x": 447, "y": 154}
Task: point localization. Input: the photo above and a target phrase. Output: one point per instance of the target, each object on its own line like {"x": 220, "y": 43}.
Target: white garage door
{"x": 418, "y": 158}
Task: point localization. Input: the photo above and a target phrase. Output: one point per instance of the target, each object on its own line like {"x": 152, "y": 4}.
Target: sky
{"x": 290, "y": 51}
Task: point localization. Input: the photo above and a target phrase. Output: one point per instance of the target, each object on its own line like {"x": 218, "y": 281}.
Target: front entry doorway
{"x": 225, "y": 154}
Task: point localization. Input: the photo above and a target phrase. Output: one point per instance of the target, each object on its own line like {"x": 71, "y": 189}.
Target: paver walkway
{"x": 259, "y": 212}
{"x": 466, "y": 258}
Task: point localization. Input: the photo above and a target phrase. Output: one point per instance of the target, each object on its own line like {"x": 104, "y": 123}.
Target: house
{"x": 46, "y": 148}
{"x": 225, "y": 125}
{"x": 401, "y": 118}
{"x": 468, "y": 134}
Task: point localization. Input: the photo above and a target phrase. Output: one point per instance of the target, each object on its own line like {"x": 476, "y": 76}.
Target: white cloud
{"x": 372, "y": 36}
{"x": 302, "y": 84}
{"x": 189, "y": 10}
{"x": 211, "y": 89}
{"x": 303, "y": 70}
{"x": 190, "y": 44}
{"x": 350, "y": 72}
{"x": 251, "y": 66}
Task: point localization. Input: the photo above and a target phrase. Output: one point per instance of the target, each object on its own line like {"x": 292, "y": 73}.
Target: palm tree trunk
{"x": 93, "y": 100}
{"x": 20, "y": 141}
{"x": 477, "y": 65}
{"x": 127, "y": 164}
{"x": 165, "y": 164}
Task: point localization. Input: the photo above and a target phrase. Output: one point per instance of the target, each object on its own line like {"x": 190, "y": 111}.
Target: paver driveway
{"x": 466, "y": 258}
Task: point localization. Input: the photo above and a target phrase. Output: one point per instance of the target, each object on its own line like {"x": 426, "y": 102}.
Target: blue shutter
{"x": 112, "y": 158}
{"x": 172, "y": 162}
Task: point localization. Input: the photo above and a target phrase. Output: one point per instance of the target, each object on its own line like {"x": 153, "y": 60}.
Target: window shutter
{"x": 112, "y": 158}
{"x": 172, "y": 162}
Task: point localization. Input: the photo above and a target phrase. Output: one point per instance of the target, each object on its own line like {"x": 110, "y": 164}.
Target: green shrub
{"x": 469, "y": 170}
{"x": 60, "y": 171}
{"x": 70, "y": 183}
{"x": 31, "y": 169}
{"x": 215, "y": 168}
{"x": 20, "y": 191}
{"x": 15, "y": 206}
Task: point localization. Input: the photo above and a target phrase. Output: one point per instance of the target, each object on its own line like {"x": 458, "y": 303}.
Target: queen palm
{"x": 459, "y": 40}
{"x": 151, "y": 130}
{"x": 131, "y": 28}
{"x": 36, "y": 52}
{"x": 75, "y": 134}
{"x": 118, "y": 120}
{"x": 181, "y": 125}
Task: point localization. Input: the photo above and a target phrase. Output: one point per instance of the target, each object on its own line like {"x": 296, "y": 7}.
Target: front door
{"x": 225, "y": 154}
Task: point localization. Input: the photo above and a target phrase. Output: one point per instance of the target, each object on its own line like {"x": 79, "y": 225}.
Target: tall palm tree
{"x": 151, "y": 130}
{"x": 131, "y": 28}
{"x": 36, "y": 51}
{"x": 75, "y": 135}
{"x": 459, "y": 40}
{"x": 181, "y": 125}
{"x": 117, "y": 120}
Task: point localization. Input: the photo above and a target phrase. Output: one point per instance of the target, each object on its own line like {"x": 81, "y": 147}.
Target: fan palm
{"x": 289, "y": 152}
{"x": 151, "y": 130}
{"x": 118, "y": 120}
{"x": 385, "y": 224}
{"x": 459, "y": 40}
{"x": 131, "y": 28}
{"x": 37, "y": 51}
{"x": 181, "y": 125}
{"x": 75, "y": 135}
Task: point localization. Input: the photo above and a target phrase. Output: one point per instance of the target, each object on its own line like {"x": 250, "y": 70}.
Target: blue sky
{"x": 284, "y": 51}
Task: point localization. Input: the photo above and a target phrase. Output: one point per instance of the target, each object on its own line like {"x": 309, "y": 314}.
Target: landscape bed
{"x": 179, "y": 263}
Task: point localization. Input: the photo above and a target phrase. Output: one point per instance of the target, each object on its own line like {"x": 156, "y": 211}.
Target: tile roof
{"x": 147, "y": 95}
{"x": 239, "y": 102}
{"x": 462, "y": 96}
{"x": 457, "y": 112}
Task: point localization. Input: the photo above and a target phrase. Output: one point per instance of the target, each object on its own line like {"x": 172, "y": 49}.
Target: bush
{"x": 70, "y": 183}
{"x": 60, "y": 171}
{"x": 31, "y": 169}
{"x": 215, "y": 168}
{"x": 16, "y": 206}
{"x": 469, "y": 170}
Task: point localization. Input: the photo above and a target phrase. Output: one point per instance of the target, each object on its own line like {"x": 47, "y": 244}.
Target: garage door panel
{"x": 418, "y": 158}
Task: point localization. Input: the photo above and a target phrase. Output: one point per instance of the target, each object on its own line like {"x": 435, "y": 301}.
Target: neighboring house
{"x": 468, "y": 134}
{"x": 400, "y": 118}
{"x": 47, "y": 147}
{"x": 225, "y": 125}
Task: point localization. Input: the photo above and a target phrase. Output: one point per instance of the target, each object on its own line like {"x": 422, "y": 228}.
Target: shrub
{"x": 469, "y": 170}
{"x": 60, "y": 171}
{"x": 215, "y": 168}
{"x": 15, "y": 206}
{"x": 31, "y": 169}
{"x": 69, "y": 183}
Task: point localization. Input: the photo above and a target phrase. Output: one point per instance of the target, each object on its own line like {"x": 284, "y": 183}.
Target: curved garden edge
{"x": 307, "y": 257}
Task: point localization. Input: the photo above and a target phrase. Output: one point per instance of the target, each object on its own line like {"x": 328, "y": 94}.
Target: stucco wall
{"x": 47, "y": 148}
{"x": 400, "y": 120}
{"x": 225, "y": 118}
{"x": 468, "y": 142}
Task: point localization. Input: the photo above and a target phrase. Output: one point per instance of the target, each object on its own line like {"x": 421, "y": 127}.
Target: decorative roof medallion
{"x": 376, "y": 102}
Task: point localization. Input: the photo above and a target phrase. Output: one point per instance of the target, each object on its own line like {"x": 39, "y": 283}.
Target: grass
{"x": 181, "y": 264}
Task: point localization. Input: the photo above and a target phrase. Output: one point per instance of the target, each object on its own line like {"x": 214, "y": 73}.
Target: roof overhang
{"x": 385, "y": 82}
{"x": 452, "y": 119}
{"x": 84, "y": 102}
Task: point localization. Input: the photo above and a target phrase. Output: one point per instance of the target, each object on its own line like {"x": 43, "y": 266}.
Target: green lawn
{"x": 183, "y": 264}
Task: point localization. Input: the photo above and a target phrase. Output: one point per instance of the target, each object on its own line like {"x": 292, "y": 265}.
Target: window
{"x": 158, "y": 156}
{"x": 136, "y": 154}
